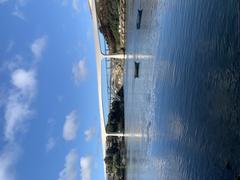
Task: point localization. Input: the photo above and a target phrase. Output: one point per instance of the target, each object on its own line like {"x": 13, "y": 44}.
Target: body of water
{"x": 185, "y": 105}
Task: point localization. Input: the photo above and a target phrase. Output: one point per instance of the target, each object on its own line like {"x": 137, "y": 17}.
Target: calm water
{"x": 186, "y": 102}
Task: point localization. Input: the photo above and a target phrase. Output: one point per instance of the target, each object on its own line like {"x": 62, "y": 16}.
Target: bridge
{"x": 100, "y": 56}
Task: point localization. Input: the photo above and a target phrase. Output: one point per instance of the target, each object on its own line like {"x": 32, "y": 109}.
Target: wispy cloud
{"x": 2, "y": 97}
{"x": 38, "y": 46}
{"x": 69, "y": 171}
{"x": 8, "y": 158}
{"x": 51, "y": 123}
{"x": 11, "y": 64}
{"x": 64, "y": 2}
{"x": 79, "y": 71}
{"x": 70, "y": 127}
{"x": 19, "y": 4}
{"x": 75, "y": 5}
{"x": 18, "y": 104}
{"x": 89, "y": 134}
{"x": 18, "y": 13}
{"x": 85, "y": 165}
{"x": 10, "y": 46}
{"x": 17, "y": 111}
{"x": 50, "y": 144}
{"x": 22, "y": 2}
{"x": 60, "y": 98}
{"x": 3, "y": 1}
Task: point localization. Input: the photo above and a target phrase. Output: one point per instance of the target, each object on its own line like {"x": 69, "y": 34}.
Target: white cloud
{"x": 70, "y": 167}
{"x": 38, "y": 46}
{"x": 24, "y": 80}
{"x": 79, "y": 71}
{"x": 16, "y": 114}
{"x": 17, "y": 110}
{"x": 85, "y": 165}
{"x": 18, "y": 13}
{"x": 89, "y": 134}
{"x": 70, "y": 127}
{"x": 50, "y": 144}
{"x": 8, "y": 158}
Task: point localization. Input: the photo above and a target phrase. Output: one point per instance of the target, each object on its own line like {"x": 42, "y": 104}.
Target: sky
{"x": 49, "y": 119}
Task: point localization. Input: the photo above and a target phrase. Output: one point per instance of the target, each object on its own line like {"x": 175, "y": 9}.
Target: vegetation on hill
{"x": 116, "y": 114}
{"x": 115, "y": 158}
{"x": 108, "y": 17}
{"x": 115, "y": 151}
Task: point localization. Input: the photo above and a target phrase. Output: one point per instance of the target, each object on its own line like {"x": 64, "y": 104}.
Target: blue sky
{"x": 49, "y": 119}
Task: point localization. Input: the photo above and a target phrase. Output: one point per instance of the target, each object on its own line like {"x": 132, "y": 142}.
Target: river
{"x": 185, "y": 105}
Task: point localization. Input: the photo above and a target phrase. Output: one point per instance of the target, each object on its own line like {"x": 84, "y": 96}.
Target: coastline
{"x": 112, "y": 20}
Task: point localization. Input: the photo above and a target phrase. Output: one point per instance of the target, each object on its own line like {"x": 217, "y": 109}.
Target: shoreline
{"x": 115, "y": 36}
